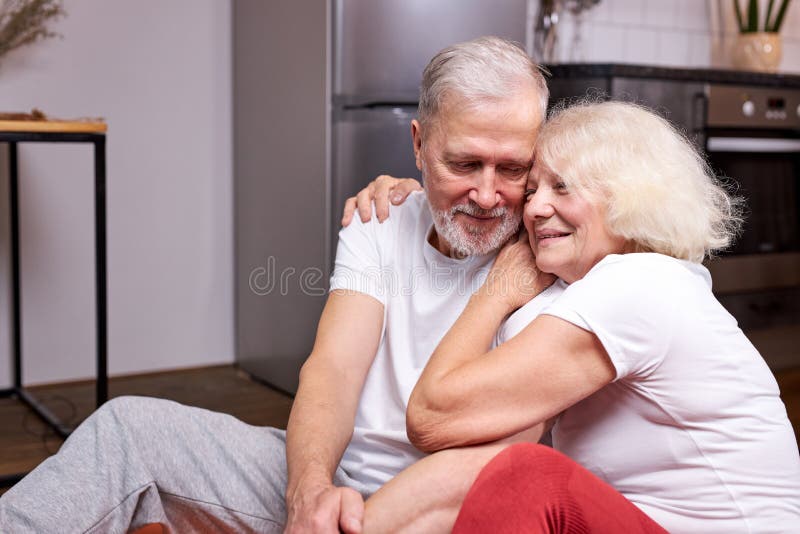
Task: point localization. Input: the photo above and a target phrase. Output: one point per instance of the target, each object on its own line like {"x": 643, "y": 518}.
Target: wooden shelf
{"x": 35, "y": 126}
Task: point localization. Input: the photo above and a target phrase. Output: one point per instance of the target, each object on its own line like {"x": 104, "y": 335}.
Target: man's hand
{"x": 382, "y": 190}
{"x": 325, "y": 510}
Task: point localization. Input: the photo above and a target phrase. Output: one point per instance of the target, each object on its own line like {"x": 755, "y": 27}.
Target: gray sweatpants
{"x": 138, "y": 460}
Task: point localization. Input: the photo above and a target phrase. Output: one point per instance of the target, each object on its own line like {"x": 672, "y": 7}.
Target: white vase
{"x": 758, "y": 51}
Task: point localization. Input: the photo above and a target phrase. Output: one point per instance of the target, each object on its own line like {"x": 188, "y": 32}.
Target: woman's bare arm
{"x": 382, "y": 190}
{"x": 469, "y": 394}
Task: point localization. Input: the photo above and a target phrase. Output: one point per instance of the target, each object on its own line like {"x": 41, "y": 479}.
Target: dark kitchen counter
{"x": 721, "y": 76}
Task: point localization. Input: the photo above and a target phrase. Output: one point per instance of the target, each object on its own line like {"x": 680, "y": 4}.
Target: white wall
{"x": 160, "y": 74}
{"x": 675, "y": 33}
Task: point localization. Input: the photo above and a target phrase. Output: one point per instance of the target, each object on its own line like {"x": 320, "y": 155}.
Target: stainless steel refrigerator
{"x": 324, "y": 95}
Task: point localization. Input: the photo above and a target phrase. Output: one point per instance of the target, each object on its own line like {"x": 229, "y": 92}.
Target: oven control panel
{"x": 732, "y": 106}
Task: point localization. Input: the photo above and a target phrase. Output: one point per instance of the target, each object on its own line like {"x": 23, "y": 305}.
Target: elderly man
{"x": 396, "y": 289}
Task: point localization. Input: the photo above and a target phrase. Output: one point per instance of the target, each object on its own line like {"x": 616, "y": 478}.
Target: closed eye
{"x": 529, "y": 193}
{"x": 514, "y": 170}
{"x": 464, "y": 166}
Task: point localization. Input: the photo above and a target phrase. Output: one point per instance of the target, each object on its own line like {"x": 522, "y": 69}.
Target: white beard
{"x": 468, "y": 240}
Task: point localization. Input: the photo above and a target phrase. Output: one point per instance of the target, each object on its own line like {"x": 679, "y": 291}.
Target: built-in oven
{"x": 752, "y": 137}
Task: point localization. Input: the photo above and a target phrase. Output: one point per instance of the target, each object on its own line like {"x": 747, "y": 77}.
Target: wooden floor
{"x": 25, "y": 441}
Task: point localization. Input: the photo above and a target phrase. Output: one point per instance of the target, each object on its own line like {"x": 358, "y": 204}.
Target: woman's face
{"x": 566, "y": 228}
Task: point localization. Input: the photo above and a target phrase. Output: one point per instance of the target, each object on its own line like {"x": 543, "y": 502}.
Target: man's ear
{"x": 416, "y": 138}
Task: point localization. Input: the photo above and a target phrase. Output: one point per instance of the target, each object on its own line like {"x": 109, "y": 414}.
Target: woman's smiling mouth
{"x": 546, "y": 236}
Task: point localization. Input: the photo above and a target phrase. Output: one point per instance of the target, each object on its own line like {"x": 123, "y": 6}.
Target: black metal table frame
{"x": 18, "y": 390}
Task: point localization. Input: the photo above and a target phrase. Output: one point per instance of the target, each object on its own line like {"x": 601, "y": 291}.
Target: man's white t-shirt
{"x": 423, "y": 293}
{"x": 692, "y": 430}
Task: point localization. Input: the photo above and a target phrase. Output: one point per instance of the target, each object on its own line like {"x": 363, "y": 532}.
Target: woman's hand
{"x": 382, "y": 190}
{"x": 514, "y": 277}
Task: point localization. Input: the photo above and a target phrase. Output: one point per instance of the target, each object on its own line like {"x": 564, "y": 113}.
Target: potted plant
{"x": 758, "y": 46}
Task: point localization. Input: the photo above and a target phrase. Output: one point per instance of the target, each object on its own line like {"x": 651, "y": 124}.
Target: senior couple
{"x": 418, "y": 409}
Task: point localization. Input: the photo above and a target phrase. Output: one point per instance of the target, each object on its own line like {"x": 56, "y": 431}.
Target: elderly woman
{"x": 668, "y": 418}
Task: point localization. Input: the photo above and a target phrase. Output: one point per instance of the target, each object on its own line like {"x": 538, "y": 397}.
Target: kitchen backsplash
{"x": 674, "y": 33}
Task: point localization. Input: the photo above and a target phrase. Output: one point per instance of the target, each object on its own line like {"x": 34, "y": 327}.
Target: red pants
{"x": 531, "y": 488}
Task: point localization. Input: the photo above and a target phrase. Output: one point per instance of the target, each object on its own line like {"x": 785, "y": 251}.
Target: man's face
{"x": 475, "y": 161}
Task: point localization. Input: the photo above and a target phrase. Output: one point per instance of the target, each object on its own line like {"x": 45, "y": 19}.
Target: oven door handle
{"x": 752, "y": 145}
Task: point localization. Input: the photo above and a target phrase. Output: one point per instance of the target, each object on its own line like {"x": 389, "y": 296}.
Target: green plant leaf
{"x": 769, "y": 15}
{"x": 752, "y": 16}
{"x": 776, "y": 27}
{"x": 738, "y": 12}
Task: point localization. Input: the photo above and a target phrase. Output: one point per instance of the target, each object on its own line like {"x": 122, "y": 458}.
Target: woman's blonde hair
{"x": 661, "y": 194}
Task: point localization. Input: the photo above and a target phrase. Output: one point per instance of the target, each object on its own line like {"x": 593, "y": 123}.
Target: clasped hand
{"x": 324, "y": 510}
{"x": 514, "y": 277}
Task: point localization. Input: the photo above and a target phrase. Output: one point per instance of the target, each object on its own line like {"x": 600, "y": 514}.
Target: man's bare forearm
{"x": 320, "y": 424}
{"x": 323, "y": 415}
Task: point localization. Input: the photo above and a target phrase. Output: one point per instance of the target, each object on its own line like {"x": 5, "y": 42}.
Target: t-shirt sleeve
{"x": 628, "y": 306}
{"x": 360, "y": 258}
{"x": 521, "y": 318}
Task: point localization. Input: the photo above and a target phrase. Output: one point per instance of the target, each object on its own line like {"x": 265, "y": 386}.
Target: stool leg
{"x": 101, "y": 394}
{"x": 16, "y": 312}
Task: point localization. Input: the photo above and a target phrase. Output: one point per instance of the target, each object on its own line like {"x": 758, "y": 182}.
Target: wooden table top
{"x": 53, "y": 126}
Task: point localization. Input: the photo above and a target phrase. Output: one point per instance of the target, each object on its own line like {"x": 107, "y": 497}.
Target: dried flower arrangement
{"x": 25, "y": 21}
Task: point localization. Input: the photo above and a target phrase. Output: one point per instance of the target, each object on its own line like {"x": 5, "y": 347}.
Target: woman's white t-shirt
{"x": 692, "y": 429}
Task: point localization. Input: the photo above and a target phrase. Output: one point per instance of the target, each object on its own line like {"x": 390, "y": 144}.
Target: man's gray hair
{"x": 486, "y": 68}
